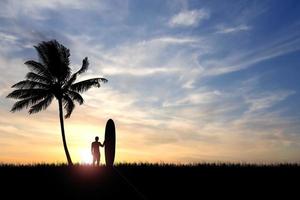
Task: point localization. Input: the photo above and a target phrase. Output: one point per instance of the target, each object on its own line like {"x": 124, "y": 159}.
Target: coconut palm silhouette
{"x": 49, "y": 78}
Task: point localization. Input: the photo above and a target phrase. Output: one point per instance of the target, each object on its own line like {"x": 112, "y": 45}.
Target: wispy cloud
{"x": 158, "y": 55}
{"x": 189, "y": 18}
{"x": 176, "y": 40}
{"x": 137, "y": 71}
{"x": 243, "y": 59}
{"x": 226, "y": 30}
{"x": 195, "y": 98}
{"x": 259, "y": 102}
{"x": 36, "y": 10}
{"x": 8, "y": 37}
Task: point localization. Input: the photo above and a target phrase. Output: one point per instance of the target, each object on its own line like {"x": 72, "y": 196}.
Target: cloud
{"x": 226, "y": 30}
{"x": 189, "y": 18}
{"x": 152, "y": 56}
{"x": 149, "y": 57}
{"x": 140, "y": 71}
{"x": 266, "y": 100}
{"x": 39, "y": 10}
{"x": 243, "y": 59}
{"x": 175, "y": 40}
{"x": 195, "y": 98}
{"x": 8, "y": 37}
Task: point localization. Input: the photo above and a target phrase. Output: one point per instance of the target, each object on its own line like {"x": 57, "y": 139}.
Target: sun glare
{"x": 85, "y": 157}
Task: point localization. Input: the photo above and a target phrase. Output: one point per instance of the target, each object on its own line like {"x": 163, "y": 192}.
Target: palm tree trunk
{"x": 61, "y": 118}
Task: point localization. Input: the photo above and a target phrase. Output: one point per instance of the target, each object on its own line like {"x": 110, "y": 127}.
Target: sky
{"x": 188, "y": 81}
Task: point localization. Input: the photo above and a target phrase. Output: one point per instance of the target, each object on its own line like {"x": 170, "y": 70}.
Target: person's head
{"x": 97, "y": 138}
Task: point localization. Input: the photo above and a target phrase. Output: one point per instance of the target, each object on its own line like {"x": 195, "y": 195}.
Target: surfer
{"x": 96, "y": 151}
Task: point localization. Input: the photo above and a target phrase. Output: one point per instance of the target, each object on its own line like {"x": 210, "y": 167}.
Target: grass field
{"x": 150, "y": 181}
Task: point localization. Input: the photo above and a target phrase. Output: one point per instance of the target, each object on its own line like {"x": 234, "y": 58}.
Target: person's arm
{"x": 92, "y": 149}
{"x": 102, "y": 145}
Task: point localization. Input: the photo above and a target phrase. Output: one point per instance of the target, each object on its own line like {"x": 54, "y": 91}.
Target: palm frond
{"x": 75, "y": 96}
{"x": 42, "y": 53}
{"x": 84, "y": 67}
{"x": 70, "y": 81}
{"x": 26, "y": 93}
{"x": 28, "y": 84}
{"x": 25, "y": 103}
{"x": 38, "y": 68}
{"x": 68, "y": 105}
{"x": 55, "y": 57}
{"x": 42, "y": 105}
{"x": 87, "y": 84}
{"x": 35, "y": 77}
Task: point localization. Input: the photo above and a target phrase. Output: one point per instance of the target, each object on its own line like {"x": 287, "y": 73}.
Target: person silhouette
{"x": 96, "y": 151}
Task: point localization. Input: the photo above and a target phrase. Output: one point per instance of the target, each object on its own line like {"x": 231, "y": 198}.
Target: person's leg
{"x": 94, "y": 160}
{"x": 98, "y": 160}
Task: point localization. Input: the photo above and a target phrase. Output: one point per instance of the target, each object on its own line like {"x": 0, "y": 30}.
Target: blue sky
{"x": 197, "y": 80}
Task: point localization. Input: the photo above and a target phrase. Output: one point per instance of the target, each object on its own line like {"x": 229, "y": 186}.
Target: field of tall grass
{"x": 149, "y": 180}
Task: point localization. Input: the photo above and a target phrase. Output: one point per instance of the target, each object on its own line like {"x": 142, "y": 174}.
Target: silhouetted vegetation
{"x": 150, "y": 181}
{"x": 52, "y": 77}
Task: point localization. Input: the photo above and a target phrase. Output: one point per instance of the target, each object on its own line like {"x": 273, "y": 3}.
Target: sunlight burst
{"x": 85, "y": 157}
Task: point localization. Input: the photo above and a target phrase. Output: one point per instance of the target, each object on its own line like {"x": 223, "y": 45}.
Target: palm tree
{"x": 49, "y": 78}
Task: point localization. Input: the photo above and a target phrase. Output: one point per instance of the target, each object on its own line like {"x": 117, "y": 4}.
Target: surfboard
{"x": 110, "y": 142}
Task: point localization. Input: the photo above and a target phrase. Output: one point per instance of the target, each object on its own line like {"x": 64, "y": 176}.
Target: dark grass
{"x": 150, "y": 181}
